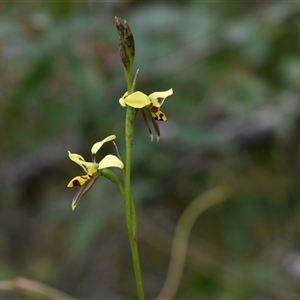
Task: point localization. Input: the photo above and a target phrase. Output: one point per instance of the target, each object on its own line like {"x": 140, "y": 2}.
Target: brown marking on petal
{"x": 160, "y": 100}
{"x": 95, "y": 174}
{"x": 154, "y": 109}
{"x": 157, "y": 114}
{"x": 162, "y": 117}
{"x": 75, "y": 182}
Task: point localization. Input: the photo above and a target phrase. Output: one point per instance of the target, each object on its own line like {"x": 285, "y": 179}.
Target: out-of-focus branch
{"x": 182, "y": 234}
{"x": 33, "y": 288}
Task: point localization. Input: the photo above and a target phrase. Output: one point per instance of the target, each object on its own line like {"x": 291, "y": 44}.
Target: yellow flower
{"x": 153, "y": 102}
{"x": 92, "y": 169}
{"x": 157, "y": 100}
{"x": 136, "y": 100}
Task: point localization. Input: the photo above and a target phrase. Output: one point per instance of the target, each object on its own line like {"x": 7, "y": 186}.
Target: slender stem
{"x": 129, "y": 203}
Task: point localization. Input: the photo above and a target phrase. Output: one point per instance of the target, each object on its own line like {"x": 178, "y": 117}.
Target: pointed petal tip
{"x": 121, "y": 100}
{"x": 76, "y": 201}
{"x": 110, "y": 161}
{"x": 122, "y": 103}
{"x": 98, "y": 145}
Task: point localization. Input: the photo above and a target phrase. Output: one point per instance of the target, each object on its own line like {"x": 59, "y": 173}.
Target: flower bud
{"x": 126, "y": 43}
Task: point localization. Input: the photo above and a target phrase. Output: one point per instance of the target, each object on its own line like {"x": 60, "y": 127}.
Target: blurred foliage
{"x": 234, "y": 119}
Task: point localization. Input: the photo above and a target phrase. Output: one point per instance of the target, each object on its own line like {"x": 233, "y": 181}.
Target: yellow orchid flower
{"x": 153, "y": 102}
{"x": 92, "y": 169}
{"x": 157, "y": 99}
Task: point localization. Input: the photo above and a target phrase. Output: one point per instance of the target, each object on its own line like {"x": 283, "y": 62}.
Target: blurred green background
{"x": 234, "y": 119}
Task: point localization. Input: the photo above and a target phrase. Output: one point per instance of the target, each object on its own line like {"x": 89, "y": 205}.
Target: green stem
{"x": 129, "y": 203}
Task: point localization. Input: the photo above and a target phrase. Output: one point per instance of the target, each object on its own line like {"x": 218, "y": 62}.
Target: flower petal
{"x": 76, "y": 157}
{"x": 136, "y": 100}
{"x": 88, "y": 167}
{"x": 110, "y": 161}
{"x": 78, "y": 181}
{"x": 158, "y": 98}
{"x": 82, "y": 191}
{"x": 98, "y": 145}
{"x": 121, "y": 100}
{"x": 158, "y": 115}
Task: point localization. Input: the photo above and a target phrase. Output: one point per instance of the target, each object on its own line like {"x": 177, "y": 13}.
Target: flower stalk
{"x": 126, "y": 48}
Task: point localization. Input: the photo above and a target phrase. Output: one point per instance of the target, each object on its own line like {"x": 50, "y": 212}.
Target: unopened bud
{"x": 126, "y": 43}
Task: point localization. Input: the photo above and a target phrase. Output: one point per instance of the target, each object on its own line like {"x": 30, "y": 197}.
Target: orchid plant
{"x": 134, "y": 101}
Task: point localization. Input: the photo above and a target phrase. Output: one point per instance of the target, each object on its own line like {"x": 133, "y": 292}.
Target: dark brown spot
{"x": 154, "y": 109}
{"x": 160, "y": 100}
{"x": 161, "y": 117}
{"x": 75, "y": 182}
